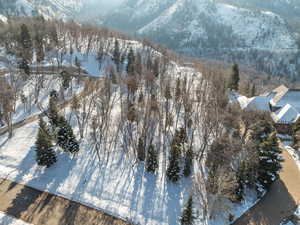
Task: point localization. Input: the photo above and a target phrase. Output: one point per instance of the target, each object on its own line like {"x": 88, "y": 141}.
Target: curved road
{"x": 280, "y": 201}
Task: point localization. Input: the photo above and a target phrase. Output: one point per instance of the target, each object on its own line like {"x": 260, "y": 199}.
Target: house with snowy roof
{"x": 283, "y": 103}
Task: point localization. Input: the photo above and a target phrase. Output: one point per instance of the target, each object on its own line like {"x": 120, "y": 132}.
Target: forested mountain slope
{"x": 254, "y": 34}
{"x": 126, "y": 126}
{"x": 215, "y": 30}
{"x": 48, "y": 8}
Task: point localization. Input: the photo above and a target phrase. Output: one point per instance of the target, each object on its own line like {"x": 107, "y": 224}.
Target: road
{"x": 42, "y": 208}
{"x": 280, "y": 201}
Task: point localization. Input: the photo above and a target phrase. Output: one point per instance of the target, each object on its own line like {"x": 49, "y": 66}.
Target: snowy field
{"x": 112, "y": 186}
{"x": 7, "y": 220}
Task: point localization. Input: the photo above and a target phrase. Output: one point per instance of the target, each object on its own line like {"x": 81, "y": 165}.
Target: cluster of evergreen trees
{"x": 269, "y": 153}
{"x": 60, "y": 132}
{"x": 134, "y": 63}
{"x": 175, "y": 160}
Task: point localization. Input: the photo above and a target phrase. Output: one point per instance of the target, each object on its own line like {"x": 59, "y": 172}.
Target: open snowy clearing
{"x": 118, "y": 189}
{"x": 7, "y": 220}
{"x": 113, "y": 186}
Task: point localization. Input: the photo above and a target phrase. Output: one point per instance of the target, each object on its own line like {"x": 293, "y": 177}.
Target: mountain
{"x": 214, "y": 29}
{"x": 258, "y": 34}
{"x": 286, "y": 8}
{"x": 60, "y": 9}
{"x": 289, "y": 10}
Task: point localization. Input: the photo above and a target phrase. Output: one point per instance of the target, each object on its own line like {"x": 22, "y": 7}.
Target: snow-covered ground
{"x": 113, "y": 186}
{"x": 237, "y": 210}
{"x": 28, "y": 108}
{"x": 116, "y": 184}
{"x": 8, "y": 220}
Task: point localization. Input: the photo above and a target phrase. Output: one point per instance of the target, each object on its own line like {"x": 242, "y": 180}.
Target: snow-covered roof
{"x": 288, "y": 114}
{"x": 291, "y": 97}
{"x": 260, "y": 103}
{"x": 287, "y": 100}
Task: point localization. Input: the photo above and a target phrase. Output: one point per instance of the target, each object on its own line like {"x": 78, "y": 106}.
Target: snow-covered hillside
{"x": 221, "y": 30}
{"x": 214, "y": 30}
{"x": 147, "y": 97}
{"x": 58, "y": 9}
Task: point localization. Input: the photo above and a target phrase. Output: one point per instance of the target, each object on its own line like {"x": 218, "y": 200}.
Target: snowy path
{"x": 42, "y": 208}
{"x": 280, "y": 202}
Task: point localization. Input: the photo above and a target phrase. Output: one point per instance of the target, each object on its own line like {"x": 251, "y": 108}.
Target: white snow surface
{"x": 3, "y": 18}
{"x": 8, "y": 220}
{"x": 117, "y": 188}
{"x": 114, "y": 186}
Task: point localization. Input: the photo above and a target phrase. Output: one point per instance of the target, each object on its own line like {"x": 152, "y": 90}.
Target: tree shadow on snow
{"x": 138, "y": 183}
{"x": 149, "y": 208}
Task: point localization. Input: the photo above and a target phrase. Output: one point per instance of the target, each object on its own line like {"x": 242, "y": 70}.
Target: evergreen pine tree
{"x": 65, "y": 137}
{"x": 269, "y": 161}
{"x": 141, "y": 150}
{"x": 45, "y": 155}
{"x": 177, "y": 90}
{"x": 131, "y": 62}
{"x": 234, "y": 79}
{"x": 156, "y": 67}
{"x": 188, "y": 163}
{"x": 78, "y": 65}
{"x": 188, "y": 217}
{"x": 25, "y": 67}
{"x": 53, "y": 111}
{"x": 39, "y": 45}
{"x": 247, "y": 90}
{"x": 26, "y": 43}
{"x": 53, "y": 35}
{"x": 117, "y": 54}
{"x": 167, "y": 93}
{"x": 253, "y": 90}
{"x": 152, "y": 159}
{"x": 66, "y": 79}
{"x": 139, "y": 64}
{"x": 173, "y": 171}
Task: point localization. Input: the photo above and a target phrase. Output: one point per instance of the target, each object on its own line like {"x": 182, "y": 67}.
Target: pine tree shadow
{"x": 149, "y": 208}
{"x": 137, "y": 186}
{"x": 23, "y": 168}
